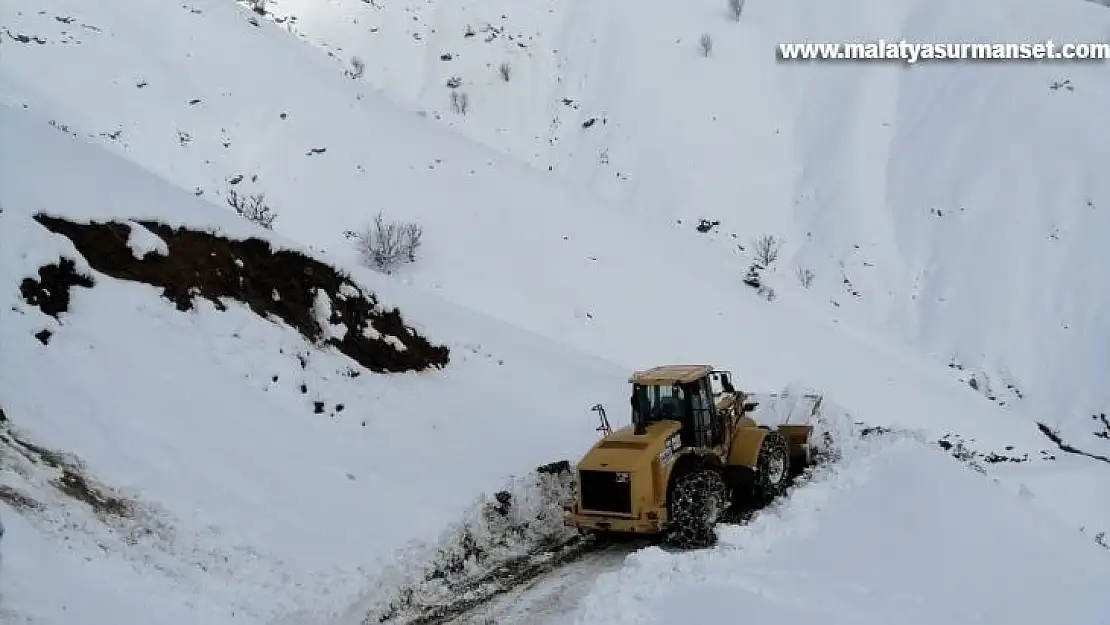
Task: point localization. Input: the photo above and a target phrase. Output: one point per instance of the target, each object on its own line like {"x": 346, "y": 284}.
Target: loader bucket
{"x": 793, "y": 416}
{"x": 781, "y": 409}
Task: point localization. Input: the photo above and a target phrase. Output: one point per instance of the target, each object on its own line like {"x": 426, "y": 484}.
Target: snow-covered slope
{"x": 226, "y": 460}
{"x": 954, "y": 205}
{"x": 250, "y": 499}
{"x": 499, "y": 237}
{"x": 897, "y": 533}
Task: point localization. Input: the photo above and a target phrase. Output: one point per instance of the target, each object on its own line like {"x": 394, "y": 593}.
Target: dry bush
{"x": 384, "y": 245}
{"x": 252, "y": 207}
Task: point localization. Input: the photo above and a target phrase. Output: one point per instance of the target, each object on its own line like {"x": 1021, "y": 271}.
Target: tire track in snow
{"x": 553, "y": 596}
{"x": 548, "y": 598}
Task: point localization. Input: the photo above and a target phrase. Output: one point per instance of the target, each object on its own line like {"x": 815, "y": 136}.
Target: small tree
{"x": 506, "y": 71}
{"x": 460, "y": 102}
{"x": 735, "y": 8}
{"x": 358, "y": 68}
{"x": 766, "y": 249}
{"x": 252, "y": 208}
{"x": 805, "y": 277}
{"x": 706, "y": 44}
{"x": 384, "y": 245}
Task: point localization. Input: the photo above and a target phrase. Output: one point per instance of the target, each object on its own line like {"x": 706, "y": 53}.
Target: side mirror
{"x": 750, "y": 406}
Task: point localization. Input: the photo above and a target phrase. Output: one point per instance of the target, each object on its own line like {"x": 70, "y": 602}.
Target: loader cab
{"x": 683, "y": 396}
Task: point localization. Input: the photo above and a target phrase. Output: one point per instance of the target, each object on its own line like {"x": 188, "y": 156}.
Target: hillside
{"x": 208, "y": 421}
{"x": 854, "y": 548}
{"x": 499, "y": 237}
{"x": 224, "y": 465}
{"x": 954, "y": 206}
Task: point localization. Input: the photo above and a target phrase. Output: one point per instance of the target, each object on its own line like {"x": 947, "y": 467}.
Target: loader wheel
{"x": 698, "y": 500}
{"x": 772, "y": 467}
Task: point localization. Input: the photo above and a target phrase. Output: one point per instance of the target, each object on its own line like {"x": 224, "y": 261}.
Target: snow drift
{"x": 955, "y": 205}
{"x": 230, "y": 467}
{"x": 233, "y": 462}
{"x": 894, "y": 532}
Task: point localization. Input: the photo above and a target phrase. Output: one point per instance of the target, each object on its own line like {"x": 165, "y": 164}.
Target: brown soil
{"x": 77, "y": 486}
{"x": 281, "y": 283}
{"x": 72, "y": 481}
{"x": 1054, "y": 436}
{"x": 51, "y": 291}
{"x": 19, "y": 500}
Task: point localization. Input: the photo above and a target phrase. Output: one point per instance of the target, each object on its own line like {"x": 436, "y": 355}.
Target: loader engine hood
{"x": 623, "y": 450}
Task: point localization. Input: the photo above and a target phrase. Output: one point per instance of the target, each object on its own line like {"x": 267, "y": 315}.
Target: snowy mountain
{"x": 958, "y": 207}
{"x": 208, "y": 421}
{"x": 249, "y": 465}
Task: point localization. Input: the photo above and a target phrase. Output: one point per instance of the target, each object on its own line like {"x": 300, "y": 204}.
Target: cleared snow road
{"x": 552, "y": 597}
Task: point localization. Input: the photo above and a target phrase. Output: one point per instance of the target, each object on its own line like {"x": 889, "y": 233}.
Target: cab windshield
{"x": 651, "y": 403}
{"x": 690, "y": 404}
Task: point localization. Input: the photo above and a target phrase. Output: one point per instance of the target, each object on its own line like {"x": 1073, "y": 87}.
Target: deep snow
{"x": 266, "y": 506}
{"x": 957, "y": 206}
{"x": 895, "y": 533}
{"x": 548, "y": 292}
{"x": 500, "y": 238}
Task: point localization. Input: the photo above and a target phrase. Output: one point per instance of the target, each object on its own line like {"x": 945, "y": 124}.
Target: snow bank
{"x": 896, "y": 532}
{"x": 500, "y": 536}
{"x": 954, "y": 205}
{"x": 281, "y": 472}
{"x": 583, "y": 271}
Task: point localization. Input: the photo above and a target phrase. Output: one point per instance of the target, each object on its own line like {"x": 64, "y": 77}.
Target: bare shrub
{"x": 252, "y": 207}
{"x": 460, "y": 102}
{"x": 805, "y": 277}
{"x": 735, "y": 8}
{"x": 384, "y": 245}
{"x": 766, "y": 249}
{"x": 258, "y": 6}
{"x": 754, "y": 279}
{"x": 358, "y": 68}
{"x": 506, "y": 71}
{"x": 705, "y": 44}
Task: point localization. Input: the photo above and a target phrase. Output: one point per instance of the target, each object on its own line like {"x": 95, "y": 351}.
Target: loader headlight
{"x": 621, "y": 477}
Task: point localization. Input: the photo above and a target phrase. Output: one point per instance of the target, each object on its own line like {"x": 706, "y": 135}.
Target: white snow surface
{"x": 142, "y": 242}
{"x": 956, "y": 206}
{"x": 500, "y": 237}
{"x": 549, "y": 287}
{"x": 897, "y": 533}
{"x": 262, "y": 507}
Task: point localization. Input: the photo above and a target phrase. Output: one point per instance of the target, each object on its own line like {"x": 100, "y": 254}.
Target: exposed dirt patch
{"x": 71, "y": 480}
{"x": 963, "y": 450}
{"x": 33, "y": 452}
{"x": 503, "y": 544}
{"x": 1103, "y": 430}
{"x": 1055, "y": 438}
{"x": 50, "y": 293}
{"x": 283, "y": 283}
{"x": 19, "y": 500}
{"x": 77, "y": 485}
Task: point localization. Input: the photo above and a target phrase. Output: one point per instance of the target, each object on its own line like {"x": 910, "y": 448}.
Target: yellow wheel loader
{"x": 693, "y": 450}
